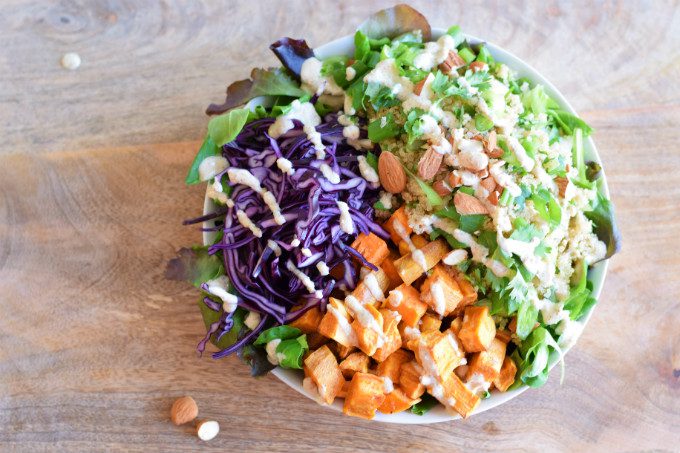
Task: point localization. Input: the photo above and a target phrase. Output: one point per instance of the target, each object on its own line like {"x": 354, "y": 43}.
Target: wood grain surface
{"x": 95, "y": 344}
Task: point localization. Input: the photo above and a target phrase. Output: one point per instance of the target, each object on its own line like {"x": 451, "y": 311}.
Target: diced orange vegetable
{"x": 456, "y": 324}
{"x": 332, "y": 327}
{"x": 478, "y": 330}
{"x": 410, "y": 269}
{"x": 315, "y": 340}
{"x": 504, "y": 335}
{"x": 396, "y": 401}
{"x": 392, "y": 338}
{"x": 371, "y": 247}
{"x": 355, "y": 362}
{"x": 406, "y": 300}
{"x": 363, "y": 291}
{"x": 409, "y": 336}
{"x": 368, "y": 336}
{"x": 430, "y": 322}
{"x": 324, "y": 371}
{"x": 468, "y": 291}
{"x": 341, "y": 351}
{"x": 438, "y": 353}
{"x": 391, "y": 366}
{"x": 465, "y": 400}
{"x": 365, "y": 394}
{"x": 441, "y": 291}
{"x": 409, "y": 380}
{"x": 393, "y": 277}
{"x": 343, "y": 390}
{"x": 309, "y": 321}
{"x": 417, "y": 240}
{"x": 398, "y": 216}
{"x": 488, "y": 363}
{"x": 506, "y": 377}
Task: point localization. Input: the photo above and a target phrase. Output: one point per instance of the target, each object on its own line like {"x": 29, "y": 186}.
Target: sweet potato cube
{"x": 417, "y": 241}
{"x": 478, "y": 330}
{"x": 309, "y": 321}
{"x": 438, "y": 353}
{"x": 371, "y": 289}
{"x": 405, "y": 299}
{"x": 441, "y": 291}
{"x": 324, "y": 371}
{"x": 365, "y": 394}
{"x": 456, "y": 324}
{"x": 371, "y": 247}
{"x": 468, "y": 291}
{"x": 464, "y": 401}
{"x": 409, "y": 380}
{"x": 353, "y": 363}
{"x": 506, "y": 377}
{"x": 393, "y": 277}
{"x": 413, "y": 265}
{"x": 368, "y": 332}
{"x": 488, "y": 363}
{"x": 392, "y": 338}
{"x": 343, "y": 390}
{"x": 396, "y": 401}
{"x": 335, "y": 324}
{"x": 430, "y": 322}
{"x": 341, "y": 351}
{"x": 391, "y": 366}
{"x": 398, "y": 216}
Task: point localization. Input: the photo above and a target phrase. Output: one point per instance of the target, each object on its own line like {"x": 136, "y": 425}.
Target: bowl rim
{"x": 596, "y": 275}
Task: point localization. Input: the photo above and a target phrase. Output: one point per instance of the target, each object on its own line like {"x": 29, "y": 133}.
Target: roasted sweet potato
{"x": 405, "y": 299}
{"x": 478, "y": 329}
{"x": 438, "y": 353}
{"x": 365, "y": 394}
{"x": 335, "y": 324}
{"x": 309, "y": 321}
{"x": 409, "y": 380}
{"x": 392, "y": 338}
{"x": 430, "y": 322}
{"x": 488, "y": 363}
{"x": 441, "y": 291}
{"x": 410, "y": 267}
{"x": 398, "y": 216}
{"x": 368, "y": 333}
{"x": 323, "y": 369}
{"x": 393, "y": 277}
{"x": 464, "y": 401}
{"x": 506, "y": 377}
{"x": 353, "y": 363}
{"x": 371, "y": 247}
{"x": 391, "y": 366}
{"x": 396, "y": 401}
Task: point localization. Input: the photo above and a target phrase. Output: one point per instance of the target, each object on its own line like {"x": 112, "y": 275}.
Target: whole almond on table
{"x": 467, "y": 204}
{"x": 183, "y": 410}
{"x": 429, "y": 164}
{"x": 391, "y": 173}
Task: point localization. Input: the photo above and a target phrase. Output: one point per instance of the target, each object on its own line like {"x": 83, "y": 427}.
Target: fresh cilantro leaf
{"x": 472, "y": 223}
{"x": 524, "y": 231}
{"x": 383, "y": 128}
{"x": 380, "y": 96}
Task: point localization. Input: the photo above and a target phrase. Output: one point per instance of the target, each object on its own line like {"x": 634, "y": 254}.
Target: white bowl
{"x": 293, "y": 378}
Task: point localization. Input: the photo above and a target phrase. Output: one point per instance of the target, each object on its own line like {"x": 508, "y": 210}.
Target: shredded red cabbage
{"x": 308, "y": 202}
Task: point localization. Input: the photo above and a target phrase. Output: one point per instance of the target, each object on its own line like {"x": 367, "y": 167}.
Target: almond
{"x": 497, "y": 153}
{"x": 467, "y": 204}
{"x": 489, "y": 184}
{"x": 441, "y": 188}
{"x": 207, "y": 429}
{"x": 477, "y": 66}
{"x": 454, "y": 180}
{"x": 491, "y": 142}
{"x": 391, "y": 173}
{"x": 429, "y": 164}
{"x": 183, "y": 410}
{"x": 453, "y": 61}
{"x": 493, "y": 198}
{"x": 562, "y": 184}
{"x": 419, "y": 87}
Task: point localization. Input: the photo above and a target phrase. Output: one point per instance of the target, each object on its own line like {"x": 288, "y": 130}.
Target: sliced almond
{"x": 391, "y": 173}
{"x": 419, "y": 87}
{"x": 467, "y": 204}
{"x": 497, "y": 153}
{"x": 489, "y": 184}
{"x": 442, "y": 188}
{"x": 491, "y": 142}
{"x": 493, "y": 198}
{"x": 562, "y": 184}
{"x": 453, "y": 61}
{"x": 454, "y": 179}
{"x": 429, "y": 164}
{"x": 477, "y": 66}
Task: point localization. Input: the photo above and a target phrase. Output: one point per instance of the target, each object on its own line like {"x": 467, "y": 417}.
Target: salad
{"x": 409, "y": 225}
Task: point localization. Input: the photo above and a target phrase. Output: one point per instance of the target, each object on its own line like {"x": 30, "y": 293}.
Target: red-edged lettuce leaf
{"x": 262, "y": 82}
{"x": 292, "y": 53}
{"x": 395, "y": 21}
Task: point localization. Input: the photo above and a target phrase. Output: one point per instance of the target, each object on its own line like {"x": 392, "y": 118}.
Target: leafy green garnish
{"x": 208, "y": 148}
{"x": 546, "y": 205}
{"x": 210, "y": 317}
{"x": 292, "y": 351}
{"x": 534, "y": 357}
{"x": 372, "y": 160}
{"x": 280, "y": 332}
{"x": 569, "y": 122}
{"x": 426, "y": 403}
{"x": 432, "y": 197}
{"x": 471, "y": 223}
{"x": 527, "y": 314}
{"x": 380, "y": 96}
{"x": 194, "y": 265}
{"x": 602, "y": 216}
{"x": 224, "y": 128}
{"x": 483, "y": 123}
{"x": 535, "y": 100}
{"x": 414, "y": 124}
{"x": 467, "y": 54}
{"x": 524, "y": 231}
{"x": 383, "y": 128}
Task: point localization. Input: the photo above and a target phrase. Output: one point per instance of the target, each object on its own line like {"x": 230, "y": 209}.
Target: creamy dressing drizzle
{"x": 417, "y": 255}
{"x": 306, "y": 281}
{"x": 480, "y": 253}
{"x": 344, "y": 325}
{"x": 346, "y": 222}
{"x": 374, "y": 287}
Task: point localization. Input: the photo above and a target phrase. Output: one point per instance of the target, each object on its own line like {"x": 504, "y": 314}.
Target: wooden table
{"x": 95, "y": 343}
